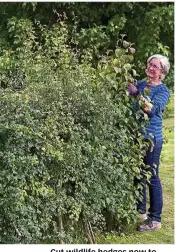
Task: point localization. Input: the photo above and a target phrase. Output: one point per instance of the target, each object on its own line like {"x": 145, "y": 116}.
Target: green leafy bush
{"x": 70, "y": 145}
{"x": 169, "y": 110}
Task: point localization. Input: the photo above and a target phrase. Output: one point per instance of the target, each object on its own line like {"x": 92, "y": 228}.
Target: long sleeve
{"x": 158, "y": 98}
{"x": 159, "y": 101}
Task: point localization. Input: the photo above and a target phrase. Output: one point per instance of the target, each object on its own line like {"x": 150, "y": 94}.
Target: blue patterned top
{"x": 159, "y": 96}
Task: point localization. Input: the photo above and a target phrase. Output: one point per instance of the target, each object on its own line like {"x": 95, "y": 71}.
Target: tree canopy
{"x": 98, "y": 26}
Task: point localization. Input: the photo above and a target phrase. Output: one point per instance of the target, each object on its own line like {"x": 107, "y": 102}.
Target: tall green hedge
{"x": 70, "y": 145}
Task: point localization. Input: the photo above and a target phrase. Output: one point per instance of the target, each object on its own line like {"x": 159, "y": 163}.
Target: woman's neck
{"x": 154, "y": 82}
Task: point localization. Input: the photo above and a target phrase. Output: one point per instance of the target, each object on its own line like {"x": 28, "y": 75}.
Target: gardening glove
{"x": 132, "y": 90}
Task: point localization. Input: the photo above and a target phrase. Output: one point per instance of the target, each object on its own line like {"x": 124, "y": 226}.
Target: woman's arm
{"x": 156, "y": 105}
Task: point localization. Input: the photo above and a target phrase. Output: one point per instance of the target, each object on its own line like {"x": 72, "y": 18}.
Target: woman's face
{"x": 154, "y": 69}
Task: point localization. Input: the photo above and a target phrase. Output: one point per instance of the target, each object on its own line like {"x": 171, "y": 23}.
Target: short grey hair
{"x": 164, "y": 61}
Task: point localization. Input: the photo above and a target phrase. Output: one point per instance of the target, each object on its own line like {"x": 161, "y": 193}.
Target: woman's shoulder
{"x": 163, "y": 88}
{"x": 141, "y": 84}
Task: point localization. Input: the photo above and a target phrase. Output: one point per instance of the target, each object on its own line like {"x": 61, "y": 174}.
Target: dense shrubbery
{"x": 70, "y": 145}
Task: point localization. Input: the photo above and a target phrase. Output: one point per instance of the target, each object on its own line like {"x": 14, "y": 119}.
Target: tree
{"x": 99, "y": 25}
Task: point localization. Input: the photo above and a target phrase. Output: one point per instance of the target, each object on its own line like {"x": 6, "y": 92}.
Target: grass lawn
{"x": 166, "y": 234}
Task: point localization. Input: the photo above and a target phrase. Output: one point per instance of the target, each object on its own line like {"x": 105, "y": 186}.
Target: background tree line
{"x": 97, "y": 26}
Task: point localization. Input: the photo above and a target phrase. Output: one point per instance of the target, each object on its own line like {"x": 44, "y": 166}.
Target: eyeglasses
{"x": 154, "y": 66}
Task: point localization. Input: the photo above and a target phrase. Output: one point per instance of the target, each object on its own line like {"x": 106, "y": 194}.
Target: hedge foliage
{"x": 70, "y": 145}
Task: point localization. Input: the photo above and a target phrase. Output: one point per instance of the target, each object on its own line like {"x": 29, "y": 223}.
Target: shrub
{"x": 70, "y": 145}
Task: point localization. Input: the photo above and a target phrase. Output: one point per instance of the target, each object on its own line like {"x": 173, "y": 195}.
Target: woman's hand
{"x": 132, "y": 89}
{"x": 147, "y": 106}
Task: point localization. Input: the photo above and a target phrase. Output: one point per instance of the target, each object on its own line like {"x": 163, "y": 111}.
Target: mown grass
{"x": 166, "y": 234}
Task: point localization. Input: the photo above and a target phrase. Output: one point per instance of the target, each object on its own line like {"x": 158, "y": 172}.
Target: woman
{"x": 157, "y": 68}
